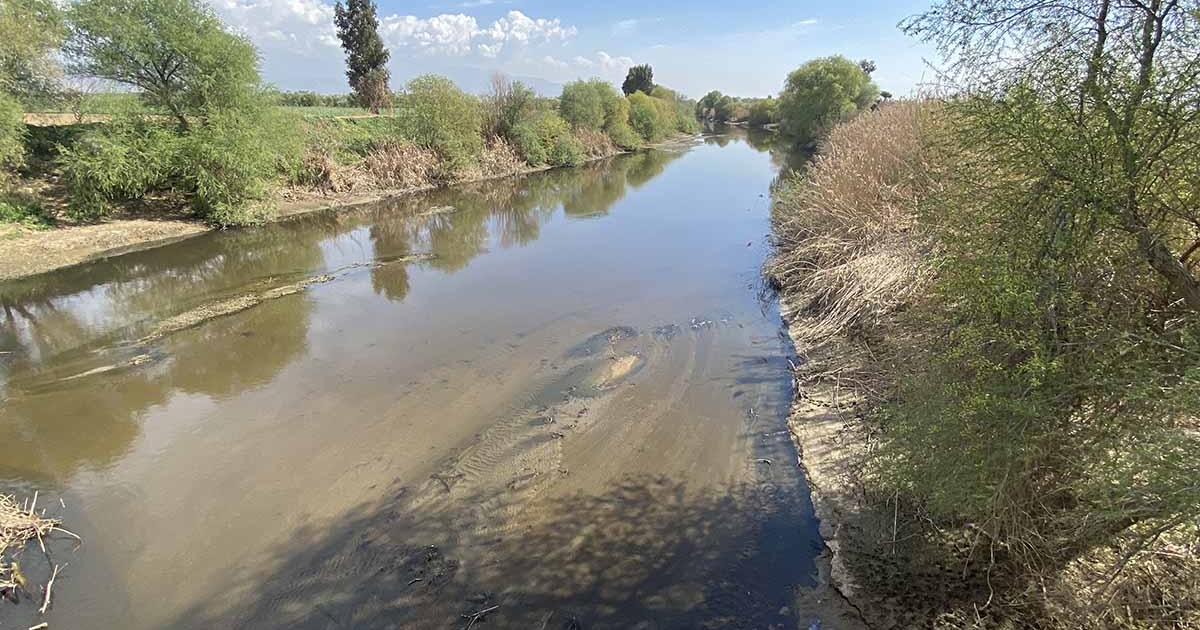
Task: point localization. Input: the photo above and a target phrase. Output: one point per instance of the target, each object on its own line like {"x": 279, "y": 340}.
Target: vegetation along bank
{"x": 184, "y": 130}
{"x": 996, "y": 300}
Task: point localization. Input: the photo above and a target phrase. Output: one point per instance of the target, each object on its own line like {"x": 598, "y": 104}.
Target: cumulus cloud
{"x": 307, "y": 25}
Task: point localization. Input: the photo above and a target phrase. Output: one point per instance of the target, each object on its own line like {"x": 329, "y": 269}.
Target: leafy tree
{"x": 762, "y": 112}
{"x": 31, "y": 31}
{"x": 822, "y": 92}
{"x": 582, "y": 103}
{"x": 366, "y": 56}
{"x": 176, "y": 52}
{"x": 509, "y": 103}
{"x": 442, "y": 117}
{"x": 868, "y": 66}
{"x": 639, "y": 79}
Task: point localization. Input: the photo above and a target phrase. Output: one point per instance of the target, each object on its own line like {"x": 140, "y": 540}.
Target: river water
{"x": 559, "y": 397}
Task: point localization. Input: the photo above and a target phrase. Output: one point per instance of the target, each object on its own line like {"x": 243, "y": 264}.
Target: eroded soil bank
{"x": 556, "y": 398}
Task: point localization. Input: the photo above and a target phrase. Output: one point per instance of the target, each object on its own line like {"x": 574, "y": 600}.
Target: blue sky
{"x": 694, "y": 46}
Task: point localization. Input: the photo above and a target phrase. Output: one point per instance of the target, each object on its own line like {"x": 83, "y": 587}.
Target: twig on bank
{"x": 473, "y": 617}
{"x": 40, "y": 626}
{"x": 415, "y": 580}
{"x": 49, "y": 585}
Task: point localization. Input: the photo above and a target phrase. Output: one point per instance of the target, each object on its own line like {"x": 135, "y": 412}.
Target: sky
{"x": 693, "y": 45}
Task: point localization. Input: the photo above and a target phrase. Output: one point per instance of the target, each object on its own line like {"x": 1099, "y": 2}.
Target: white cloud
{"x": 608, "y": 63}
{"x": 583, "y": 62}
{"x": 556, "y": 63}
{"x": 477, "y": 3}
{"x": 803, "y": 23}
{"x": 300, "y": 26}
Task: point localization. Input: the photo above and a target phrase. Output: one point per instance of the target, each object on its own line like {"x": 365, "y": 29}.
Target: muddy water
{"x": 559, "y": 395}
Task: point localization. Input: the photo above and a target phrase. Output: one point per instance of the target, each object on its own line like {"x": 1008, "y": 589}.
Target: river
{"x": 557, "y": 397}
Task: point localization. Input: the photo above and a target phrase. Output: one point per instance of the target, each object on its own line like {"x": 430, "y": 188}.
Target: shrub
{"x": 645, "y": 117}
{"x": 229, "y": 165}
{"x": 616, "y": 124}
{"x": 23, "y": 209}
{"x": 116, "y": 162}
{"x": 12, "y": 132}
{"x": 821, "y": 93}
{"x": 509, "y": 103}
{"x": 762, "y": 112}
{"x": 595, "y": 143}
{"x": 587, "y": 104}
{"x": 442, "y": 117}
{"x": 547, "y": 139}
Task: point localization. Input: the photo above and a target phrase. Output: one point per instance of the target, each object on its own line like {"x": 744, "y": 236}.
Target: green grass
{"x": 23, "y": 210}
{"x": 325, "y": 112}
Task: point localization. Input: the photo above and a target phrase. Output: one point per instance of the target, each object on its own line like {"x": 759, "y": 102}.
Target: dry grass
{"x": 499, "y": 158}
{"x": 402, "y": 165}
{"x": 596, "y": 144}
{"x": 20, "y": 523}
{"x": 846, "y": 248}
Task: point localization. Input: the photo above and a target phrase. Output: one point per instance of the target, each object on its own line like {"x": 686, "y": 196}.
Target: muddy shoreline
{"x": 30, "y": 253}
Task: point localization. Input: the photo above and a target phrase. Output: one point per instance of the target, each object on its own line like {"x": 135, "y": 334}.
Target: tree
{"x": 1122, "y": 80}
{"x": 509, "y": 103}
{"x": 867, "y": 65}
{"x": 31, "y": 31}
{"x": 821, "y": 93}
{"x": 176, "y": 52}
{"x": 639, "y": 79}
{"x": 366, "y": 56}
{"x": 588, "y": 104}
{"x": 762, "y": 112}
{"x": 445, "y": 119}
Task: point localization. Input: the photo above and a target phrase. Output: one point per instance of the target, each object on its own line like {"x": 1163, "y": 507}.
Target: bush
{"x": 547, "y": 139}
{"x": 12, "y": 132}
{"x": 644, "y": 117}
{"x": 588, "y": 104}
{"x": 762, "y": 112}
{"x": 822, "y": 93}
{"x": 120, "y": 161}
{"x": 438, "y": 115}
{"x": 230, "y": 163}
{"x": 23, "y": 209}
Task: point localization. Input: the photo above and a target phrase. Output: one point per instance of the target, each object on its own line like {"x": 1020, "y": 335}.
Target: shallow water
{"x": 558, "y": 394}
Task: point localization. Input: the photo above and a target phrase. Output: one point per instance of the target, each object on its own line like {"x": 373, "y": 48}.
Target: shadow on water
{"x": 649, "y": 552}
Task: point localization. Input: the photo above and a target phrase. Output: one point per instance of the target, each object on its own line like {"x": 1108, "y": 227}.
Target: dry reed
{"x": 846, "y": 251}
{"x": 20, "y": 523}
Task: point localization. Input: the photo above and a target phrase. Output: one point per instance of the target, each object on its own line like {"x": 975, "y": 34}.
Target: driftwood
{"x": 476, "y": 616}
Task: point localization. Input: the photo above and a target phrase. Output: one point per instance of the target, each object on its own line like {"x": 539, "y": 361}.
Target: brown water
{"x": 556, "y": 394}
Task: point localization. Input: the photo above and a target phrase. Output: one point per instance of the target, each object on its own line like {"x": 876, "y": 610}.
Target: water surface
{"x": 557, "y": 394}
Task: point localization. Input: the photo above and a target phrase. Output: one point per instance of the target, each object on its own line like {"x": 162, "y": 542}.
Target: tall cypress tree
{"x": 366, "y": 56}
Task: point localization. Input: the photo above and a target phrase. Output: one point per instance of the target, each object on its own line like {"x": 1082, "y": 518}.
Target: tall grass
{"x": 846, "y": 248}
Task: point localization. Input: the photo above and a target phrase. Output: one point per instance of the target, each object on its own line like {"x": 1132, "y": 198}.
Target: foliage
{"x": 12, "y": 134}
{"x": 24, "y": 210}
{"x": 229, "y": 164}
{"x": 509, "y": 103}
{"x": 176, "y": 52}
{"x": 647, "y": 118}
{"x": 639, "y": 79}
{"x": 120, "y": 161}
{"x": 547, "y": 139}
{"x": 763, "y": 112}
{"x": 616, "y": 124}
{"x": 366, "y": 56}
{"x": 31, "y": 31}
{"x": 821, "y": 93}
{"x": 440, "y": 116}
{"x": 583, "y": 103}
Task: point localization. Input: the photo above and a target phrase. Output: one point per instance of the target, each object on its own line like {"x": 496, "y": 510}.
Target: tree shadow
{"x": 646, "y": 552}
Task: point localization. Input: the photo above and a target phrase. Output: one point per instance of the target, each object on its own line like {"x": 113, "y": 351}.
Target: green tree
{"x": 639, "y": 79}
{"x": 508, "y": 104}
{"x": 762, "y": 112}
{"x": 444, "y": 118}
{"x": 31, "y": 31}
{"x": 582, "y": 103}
{"x": 821, "y": 93}
{"x": 366, "y": 56}
{"x": 176, "y": 52}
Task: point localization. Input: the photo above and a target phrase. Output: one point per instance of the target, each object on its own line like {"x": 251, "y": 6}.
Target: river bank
{"x": 28, "y": 252}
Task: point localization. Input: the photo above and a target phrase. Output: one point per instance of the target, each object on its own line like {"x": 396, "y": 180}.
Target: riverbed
{"x": 559, "y": 398}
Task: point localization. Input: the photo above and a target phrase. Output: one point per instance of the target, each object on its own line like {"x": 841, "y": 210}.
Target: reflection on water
{"x": 198, "y": 464}
{"x": 66, "y": 323}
